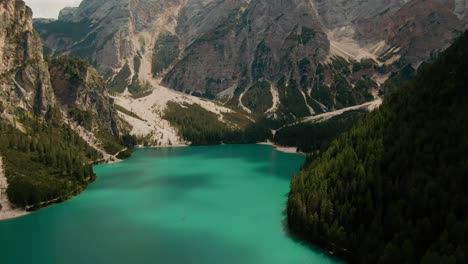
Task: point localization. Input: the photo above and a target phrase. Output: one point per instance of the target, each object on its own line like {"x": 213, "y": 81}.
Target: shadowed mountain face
{"x": 279, "y": 58}
{"x": 24, "y": 79}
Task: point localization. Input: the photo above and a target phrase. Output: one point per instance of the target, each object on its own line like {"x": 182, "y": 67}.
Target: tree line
{"x": 47, "y": 161}
{"x": 392, "y": 188}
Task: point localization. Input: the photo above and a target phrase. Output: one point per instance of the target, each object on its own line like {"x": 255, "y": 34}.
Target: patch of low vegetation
{"x": 291, "y": 99}
{"x": 139, "y": 89}
{"x": 72, "y": 65}
{"x": 127, "y": 112}
{"x": 364, "y": 64}
{"x": 166, "y": 51}
{"x": 120, "y": 81}
{"x": 258, "y": 98}
{"x": 81, "y": 117}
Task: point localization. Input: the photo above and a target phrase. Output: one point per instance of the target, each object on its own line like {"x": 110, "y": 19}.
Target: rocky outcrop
{"x": 83, "y": 95}
{"x": 24, "y": 77}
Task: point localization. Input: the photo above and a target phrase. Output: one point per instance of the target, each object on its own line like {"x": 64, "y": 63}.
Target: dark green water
{"x": 204, "y": 205}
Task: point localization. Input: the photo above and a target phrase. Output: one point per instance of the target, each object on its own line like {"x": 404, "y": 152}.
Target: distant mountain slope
{"x": 273, "y": 58}
{"x": 392, "y": 189}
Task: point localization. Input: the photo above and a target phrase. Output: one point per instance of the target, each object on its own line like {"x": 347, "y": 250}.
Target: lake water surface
{"x": 203, "y": 205}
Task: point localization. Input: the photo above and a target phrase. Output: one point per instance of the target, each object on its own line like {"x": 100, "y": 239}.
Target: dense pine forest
{"x": 45, "y": 161}
{"x": 392, "y": 188}
{"x": 310, "y": 137}
{"x": 201, "y": 127}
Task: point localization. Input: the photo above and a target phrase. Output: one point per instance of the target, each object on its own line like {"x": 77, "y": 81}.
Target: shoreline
{"x": 7, "y": 212}
{"x": 289, "y": 150}
{"x": 163, "y": 146}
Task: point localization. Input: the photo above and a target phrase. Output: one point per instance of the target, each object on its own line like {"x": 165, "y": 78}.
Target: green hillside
{"x": 392, "y": 189}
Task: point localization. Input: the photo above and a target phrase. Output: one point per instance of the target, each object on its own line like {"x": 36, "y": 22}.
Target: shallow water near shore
{"x": 221, "y": 204}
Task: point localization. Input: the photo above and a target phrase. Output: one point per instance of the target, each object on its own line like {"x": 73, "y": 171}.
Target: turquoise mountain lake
{"x": 201, "y": 205}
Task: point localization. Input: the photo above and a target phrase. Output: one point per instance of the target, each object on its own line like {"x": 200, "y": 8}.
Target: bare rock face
{"x": 417, "y": 29}
{"x": 239, "y": 43}
{"x": 30, "y": 84}
{"x": 341, "y": 13}
{"x": 407, "y": 29}
{"x": 83, "y": 95}
{"x": 111, "y": 34}
{"x": 24, "y": 78}
{"x": 277, "y": 58}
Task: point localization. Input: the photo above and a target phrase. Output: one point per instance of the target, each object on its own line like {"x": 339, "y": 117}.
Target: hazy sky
{"x": 49, "y": 8}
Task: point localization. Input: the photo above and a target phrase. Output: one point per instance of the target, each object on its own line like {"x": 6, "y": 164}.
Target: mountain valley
{"x": 371, "y": 91}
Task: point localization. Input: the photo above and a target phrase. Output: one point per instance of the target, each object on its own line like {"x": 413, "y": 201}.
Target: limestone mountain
{"x": 83, "y": 94}
{"x": 30, "y": 84}
{"x": 56, "y": 117}
{"x": 24, "y": 77}
{"x": 278, "y": 58}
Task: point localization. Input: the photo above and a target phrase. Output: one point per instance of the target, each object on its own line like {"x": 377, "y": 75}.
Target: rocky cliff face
{"x": 279, "y": 58}
{"x": 415, "y": 29}
{"x": 32, "y": 86}
{"x": 83, "y": 95}
{"x": 262, "y": 39}
{"x": 115, "y": 36}
{"x": 24, "y": 79}
{"x": 342, "y": 13}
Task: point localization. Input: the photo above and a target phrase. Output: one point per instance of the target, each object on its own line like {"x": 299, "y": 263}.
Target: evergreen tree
{"x": 392, "y": 188}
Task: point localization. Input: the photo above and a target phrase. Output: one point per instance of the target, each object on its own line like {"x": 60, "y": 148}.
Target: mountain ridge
{"x": 228, "y": 49}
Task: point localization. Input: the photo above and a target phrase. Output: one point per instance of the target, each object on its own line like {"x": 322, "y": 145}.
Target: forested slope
{"x": 392, "y": 189}
{"x": 46, "y": 162}
{"x": 316, "y": 136}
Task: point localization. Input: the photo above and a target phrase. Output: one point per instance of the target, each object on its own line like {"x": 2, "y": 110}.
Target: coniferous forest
{"x": 310, "y": 137}
{"x": 201, "y": 127}
{"x": 392, "y": 189}
{"x": 45, "y": 161}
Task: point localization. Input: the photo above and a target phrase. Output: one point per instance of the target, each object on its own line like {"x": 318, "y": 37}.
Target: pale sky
{"x": 49, "y": 8}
